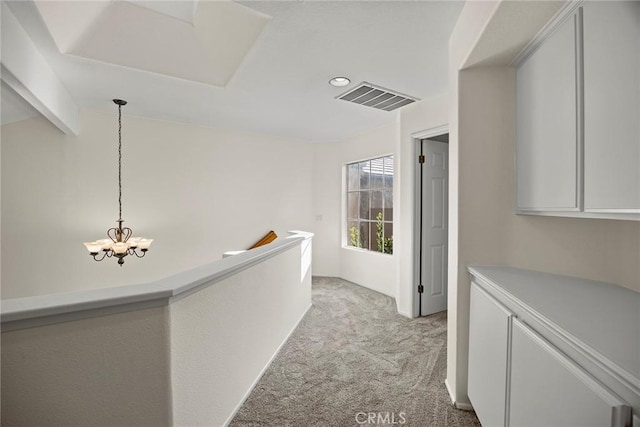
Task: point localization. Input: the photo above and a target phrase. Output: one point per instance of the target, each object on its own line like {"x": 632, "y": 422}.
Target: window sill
{"x": 365, "y": 251}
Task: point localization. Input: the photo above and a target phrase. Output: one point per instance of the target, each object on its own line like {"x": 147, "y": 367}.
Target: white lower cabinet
{"x": 527, "y": 366}
{"x": 548, "y": 389}
{"x": 488, "y": 347}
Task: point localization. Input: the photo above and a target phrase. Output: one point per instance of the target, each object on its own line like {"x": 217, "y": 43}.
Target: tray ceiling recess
{"x": 203, "y": 41}
{"x": 377, "y": 97}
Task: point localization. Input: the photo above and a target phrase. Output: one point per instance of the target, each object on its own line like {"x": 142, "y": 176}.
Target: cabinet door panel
{"x": 547, "y": 139}
{"x": 548, "y": 389}
{"x": 488, "y": 346}
{"x": 612, "y": 105}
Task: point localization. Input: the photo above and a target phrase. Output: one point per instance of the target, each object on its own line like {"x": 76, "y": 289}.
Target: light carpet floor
{"x": 352, "y": 355}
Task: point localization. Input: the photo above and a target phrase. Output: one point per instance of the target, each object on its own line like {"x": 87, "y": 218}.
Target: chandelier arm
{"x": 138, "y": 255}
{"x": 115, "y": 231}
{"x": 104, "y": 254}
{"x": 126, "y": 233}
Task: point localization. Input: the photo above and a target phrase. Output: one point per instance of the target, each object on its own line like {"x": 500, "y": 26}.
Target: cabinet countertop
{"x": 601, "y": 316}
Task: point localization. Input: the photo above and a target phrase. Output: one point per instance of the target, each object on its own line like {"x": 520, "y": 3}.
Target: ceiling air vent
{"x": 376, "y": 97}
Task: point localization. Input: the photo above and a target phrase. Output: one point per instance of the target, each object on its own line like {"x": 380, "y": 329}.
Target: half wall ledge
{"x": 41, "y": 310}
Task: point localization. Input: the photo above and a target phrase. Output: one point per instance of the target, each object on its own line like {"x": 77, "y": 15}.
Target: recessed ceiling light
{"x": 339, "y": 81}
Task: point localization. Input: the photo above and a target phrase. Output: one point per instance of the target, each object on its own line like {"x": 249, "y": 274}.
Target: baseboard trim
{"x": 464, "y": 406}
{"x": 255, "y": 382}
{"x": 446, "y": 384}
{"x": 405, "y": 314}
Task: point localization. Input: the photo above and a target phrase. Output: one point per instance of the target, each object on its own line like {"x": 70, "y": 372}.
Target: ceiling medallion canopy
{"x": 120, "y": 242}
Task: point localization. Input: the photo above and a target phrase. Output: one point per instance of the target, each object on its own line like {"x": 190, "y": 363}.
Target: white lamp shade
{"x": 93, "y": 247}
{"x": 105, "y": 243}
{"x": 119, "y": 247}
{"x": 133, "y": 242}
{"x": 144, "y": 243}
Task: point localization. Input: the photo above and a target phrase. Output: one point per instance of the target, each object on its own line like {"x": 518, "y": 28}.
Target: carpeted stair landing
{"x": 352, "y": 358}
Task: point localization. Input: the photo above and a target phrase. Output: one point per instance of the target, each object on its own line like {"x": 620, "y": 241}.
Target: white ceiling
{"x": 280, "y": 86}
{"x": 183, "y": 10}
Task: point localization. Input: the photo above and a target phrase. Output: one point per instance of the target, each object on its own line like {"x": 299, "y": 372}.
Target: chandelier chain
{"x": 120, "y": 162}
{"x": 120, "y": 242}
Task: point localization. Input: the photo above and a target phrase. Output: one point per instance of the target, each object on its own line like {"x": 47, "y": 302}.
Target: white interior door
{"x": 434, "y": 226}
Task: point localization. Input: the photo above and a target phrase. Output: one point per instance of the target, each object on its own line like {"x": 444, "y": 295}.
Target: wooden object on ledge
{"x": 268, "y": 238}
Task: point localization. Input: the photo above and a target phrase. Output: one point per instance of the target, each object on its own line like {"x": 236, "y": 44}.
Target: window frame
{"x": 386, "y": 194}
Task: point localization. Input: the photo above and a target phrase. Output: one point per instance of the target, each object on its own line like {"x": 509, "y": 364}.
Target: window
{"x": 370, "y": 204}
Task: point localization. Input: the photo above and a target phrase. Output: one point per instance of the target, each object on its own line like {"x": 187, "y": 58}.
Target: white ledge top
{"x": 20, "y": 313}
{"x": 604, "y": 316}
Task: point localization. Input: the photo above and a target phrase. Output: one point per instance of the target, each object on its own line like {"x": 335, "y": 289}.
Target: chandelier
{"x": 120, "y": 243}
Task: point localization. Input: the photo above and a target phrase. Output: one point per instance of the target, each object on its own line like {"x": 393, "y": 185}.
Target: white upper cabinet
{"x": 612, "y": 106}
{"x": 547, "y": 144}
{"x": 578, "y": 114}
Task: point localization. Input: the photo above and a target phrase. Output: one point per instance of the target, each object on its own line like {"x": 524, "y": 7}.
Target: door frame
{"x": 417, "y": 137}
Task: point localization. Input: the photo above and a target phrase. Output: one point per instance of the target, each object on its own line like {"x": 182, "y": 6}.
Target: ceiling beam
{"x": 28, "y": 73}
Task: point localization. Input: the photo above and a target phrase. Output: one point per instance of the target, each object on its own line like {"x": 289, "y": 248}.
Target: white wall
{"x": 418, "y": 117}
{"x": 198, "y": 191}
{"x": 485, "y": 187}
{"x": 373, "y": 270}
{"x": 327, "y": 199}
{"x": 471, "y": 22}
{"x": 224, "y": 337}
{"x": 105, "y": 371}
{"x": 596, "y": 249}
